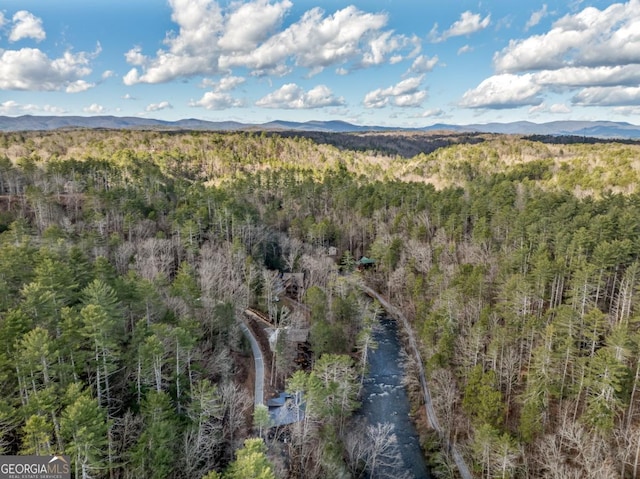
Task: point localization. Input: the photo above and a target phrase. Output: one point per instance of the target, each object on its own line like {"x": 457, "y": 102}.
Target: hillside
{"x": 594, "y": 129}
{"x": 127, "y": 257}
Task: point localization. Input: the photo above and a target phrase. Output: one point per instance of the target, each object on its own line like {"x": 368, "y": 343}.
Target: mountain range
{"x": 596, "y": 129}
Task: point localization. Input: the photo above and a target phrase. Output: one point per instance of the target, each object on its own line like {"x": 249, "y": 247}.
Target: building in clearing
{"x": 366, "y": 263}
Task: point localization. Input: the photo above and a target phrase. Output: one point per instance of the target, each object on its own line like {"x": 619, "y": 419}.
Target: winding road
{"x": 394, "y": 312}
{"x": 259, "y": 360}
{"x": 428, "y": 403}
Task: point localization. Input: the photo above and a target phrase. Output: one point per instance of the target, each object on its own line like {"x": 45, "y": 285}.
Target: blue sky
{"x": 371, "y": 62}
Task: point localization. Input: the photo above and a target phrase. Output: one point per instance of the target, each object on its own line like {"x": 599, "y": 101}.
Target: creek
{"x": 385, "y": 400}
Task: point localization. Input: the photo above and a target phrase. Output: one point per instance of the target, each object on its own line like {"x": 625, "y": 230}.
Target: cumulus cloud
{"x": 433, "y": 113}
{"x": 465, "y": 49}
{"x": 591, "y": 37}
{"x": 192, "y": 51}
{"x": 559, "y": 108}
{"x": 630, "y": 110}
{"x": 593, "y": 53}
{"x": 94, "y": 108}
{"x": 423, "y": 64}
{"x": 79, "y": 86}
{"x": 608, "y": 96}
{"x": 31, "y": 69}
{"x": 292, "y": 96}
{"x": 213, "y": 40}
{"x": 536, "y": 17}
{"x": 217, "y": 100}
{"x": 590, "y": 76}
{"x": 12, "y": 107}
{"x": 556, "y": 108}
{"x": 26, "y": 25}
{"x": 224, "y": 84}
{"x": 566, "y": 78}
{"x": 381, "y": 47}
{"x": 9, "y": 106}
{"x": 407, "y": 93}
{"x": 316, "y": 41}
{"x": 467, "y": 24}
{"x": 163, "y": 105}
{"x": 503, "y": 91}
{"x": 252, "y": 23}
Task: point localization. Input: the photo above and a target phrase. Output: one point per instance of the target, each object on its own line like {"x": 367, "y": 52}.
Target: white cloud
{"x": 469, "y": 23}
{"x": 594, "y": 82}
{"x": 192, "y": 51}
{"x": 608, "y": 96}
{"x": 590, "y": 76}
{"x": 630, "y": 110}
{"x": 316, "y": 42}
{"x": 407, "y": 93}
{"x": 292, "y": 96}
{"x": 424, "y": 64}
{"x": 251, "y": 23}
{"x": 503, "y": 91}
{"x": 227, "y": 83}
{"x": 383, "y": 45}
{"x": 127, "y": 96}
{"x": 212, "y": 39}
{"x": 596, "y": 51}
{"x": 2, "y": 19}
{"x": 589, "y": 38}
{"x": 94, "y": 108}
{"x": 12, "y": 107}
{"x": 433, "y": 113}
{"x": 9, "y": 106}
{"x": 31, "y": 69}
{"x": 414, "y": 99}
{"x": 556, "y": 108}
{"x": 26, "y": 25}
{"x": 559, "y": 108}
{"x": 132, "y": 77}
{"x": 79, "y": 86}
{"x": 536, "y": 17}
{"x": 217, "y": 100}
{"x": 465, "y": 49}
{"x": 163, "y": 105}
{"x": 108, "y": 74}
{"x": 135, "y": 56}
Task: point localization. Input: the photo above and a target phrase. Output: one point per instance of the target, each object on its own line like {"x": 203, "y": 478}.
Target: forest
{"x": 128, "y": 257}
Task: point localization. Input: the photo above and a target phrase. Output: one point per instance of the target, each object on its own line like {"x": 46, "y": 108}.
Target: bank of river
{"x": 385, "y": 400}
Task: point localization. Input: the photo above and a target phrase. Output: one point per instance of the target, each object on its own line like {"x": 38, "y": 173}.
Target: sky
{"x": 402, "y": 63}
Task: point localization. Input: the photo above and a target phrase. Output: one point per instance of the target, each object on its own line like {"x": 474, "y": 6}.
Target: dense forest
{"x": 127, "y": 259}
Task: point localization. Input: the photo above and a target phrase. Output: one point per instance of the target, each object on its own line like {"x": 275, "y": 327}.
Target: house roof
{"x": 365, "y": 260}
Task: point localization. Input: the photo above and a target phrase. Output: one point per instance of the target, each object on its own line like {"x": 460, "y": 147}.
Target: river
{"x": 385, "y": 400}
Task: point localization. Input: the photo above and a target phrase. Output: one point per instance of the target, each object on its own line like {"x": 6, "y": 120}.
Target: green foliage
{"x": 37, "y": 435}
{"x": 153, "y": 455}
{"x": 84, "y": 428}
{"x": 482, "y": 401}
{"x": 251, "y": 461}
{"x": 125, "y": 258}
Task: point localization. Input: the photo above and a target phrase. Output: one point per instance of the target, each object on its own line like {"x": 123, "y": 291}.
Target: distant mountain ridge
{"x": 597, "y": 129}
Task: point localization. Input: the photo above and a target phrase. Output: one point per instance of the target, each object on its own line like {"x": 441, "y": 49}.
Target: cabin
{"x": 365, "y": 263}
{"x": 293, "y": 284}
{"x": 286, "y": 409}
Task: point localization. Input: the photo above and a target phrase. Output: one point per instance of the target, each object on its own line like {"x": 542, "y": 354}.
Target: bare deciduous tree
{"x": 373, "y": 452}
